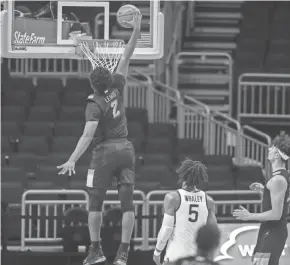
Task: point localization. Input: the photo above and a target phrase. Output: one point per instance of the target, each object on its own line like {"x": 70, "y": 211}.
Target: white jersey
{"x": 190, "y": 216}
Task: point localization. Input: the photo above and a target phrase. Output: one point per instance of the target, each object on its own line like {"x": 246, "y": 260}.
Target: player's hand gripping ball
{"x": 129, "y": 16}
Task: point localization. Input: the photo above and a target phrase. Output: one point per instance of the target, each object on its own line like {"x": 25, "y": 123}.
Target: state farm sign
{"x": 238, "y": 243}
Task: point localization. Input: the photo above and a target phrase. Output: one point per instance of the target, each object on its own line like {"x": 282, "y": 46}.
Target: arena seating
{"x": 251, "y": 42}
{"x": 42, "y": 118}
{"x": 41, "y": 132}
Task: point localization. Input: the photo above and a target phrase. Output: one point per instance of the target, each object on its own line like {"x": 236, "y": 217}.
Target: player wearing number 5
{"x": 185, "y": 211}
{"x": 113, "y": 155}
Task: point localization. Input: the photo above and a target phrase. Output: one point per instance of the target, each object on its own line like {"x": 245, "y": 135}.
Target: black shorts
{"x": 271, "y": 242}
{"x": 115, "y": 158}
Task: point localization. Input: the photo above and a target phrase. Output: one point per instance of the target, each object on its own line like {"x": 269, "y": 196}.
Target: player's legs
{"x": 266, "y": 252}
{"x": 126, "y": 181}
{"x": 98, "y": 179}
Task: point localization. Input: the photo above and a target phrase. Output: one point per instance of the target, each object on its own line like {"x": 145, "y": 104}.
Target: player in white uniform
{"x": 185, "y": 211}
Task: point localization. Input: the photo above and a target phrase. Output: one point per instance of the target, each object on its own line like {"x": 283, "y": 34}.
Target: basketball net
{"x": 101, "y": 53}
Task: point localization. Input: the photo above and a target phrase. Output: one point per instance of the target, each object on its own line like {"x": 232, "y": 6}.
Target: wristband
{"x": 157, "y": 252}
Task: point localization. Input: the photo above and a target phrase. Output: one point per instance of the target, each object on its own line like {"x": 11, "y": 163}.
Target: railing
{"x": 190, "y": 17}
{"x": 139, "y": 93}
{"x": 44, "y": 216}
{"x": 57, "y": 68}
{"x": 196, "y": 121}
{"x": 224, "y": 134}
{"x": 220, "y": 63}
{"x": 175, "y": 46}
{"x": 254, "y": 147}
{"x": 264, "y": 96}
{"x": 173, "y": 38}
{"x": 37, "y": 231}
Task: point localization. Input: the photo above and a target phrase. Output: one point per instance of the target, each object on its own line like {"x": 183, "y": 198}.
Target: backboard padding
{"x": 57, "y": 43}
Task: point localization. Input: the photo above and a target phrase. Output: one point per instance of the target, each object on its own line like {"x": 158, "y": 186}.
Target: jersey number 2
{"x": 193, "y": 214}
{"x": 116, "y": 112}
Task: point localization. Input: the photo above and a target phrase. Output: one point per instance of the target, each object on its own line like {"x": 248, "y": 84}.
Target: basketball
{"x": 126, "y": 13}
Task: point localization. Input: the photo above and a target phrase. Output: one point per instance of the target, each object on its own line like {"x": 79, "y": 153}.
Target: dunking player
{"x": 185, "y": 211}
{"x": 207, "y": 241}
{"x": 273, "y": 230}
{"x": 113, "y": 154}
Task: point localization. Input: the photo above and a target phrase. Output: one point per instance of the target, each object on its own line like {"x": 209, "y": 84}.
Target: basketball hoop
{"x": 101, "y": 53}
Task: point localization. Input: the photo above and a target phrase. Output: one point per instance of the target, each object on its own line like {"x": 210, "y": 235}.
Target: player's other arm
{"x": 131, "y": 45}
{"x": 171, "y": 203}
{"x": 211, "y": 218}
{"x": 93, "y": 113}
{"x": 277, "y": 186}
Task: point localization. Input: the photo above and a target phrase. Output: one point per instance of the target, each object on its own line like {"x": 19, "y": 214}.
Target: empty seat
{"x": 218, "y": 160}
{"x": 56, "y": 159}
{"x": 73, "y": 114}
{"x": 69, "y": 128}
{"x": 15, "y": 113}
{"x": 20, "y": 84}
{"x": 42, "y": 114}
{"x": 72, "y": 98}
{"x": 12, "y": 175}
{"x": 220, "y": 178}
{"x": 135, "y": 130}
{"x": 76, "y": 85}
{"x": 189, "y": 146}
{"x": 139, "y": 144}
{"x": 34, "y": 144}
{"x": 49, "y": 85}
{"x": 78, "y": 181}
{"x": 10, "y": 129}
{"x": 13, "y": 225}
{"x": 11, "y": 192}
{"x": 32, "y": 128}
{"x": 16, "y": 98}
{"x": 194, "y": 157}
{"x": 64, "y": 144}
{"x": 160, "y": 130}
{"x": 157, "y": 173}
{"x": 5, "y": 145}
{"x": 246, "y": 175}
{"x": 147, "y": 186}
{"x": 159, "y": 145}
{"x": 157, "y": 159}
{"x": 26, "y": 161}
{"x": 137, "y": 115}
{"x": 47, "y": 178}
{"x": 47, "y": 99}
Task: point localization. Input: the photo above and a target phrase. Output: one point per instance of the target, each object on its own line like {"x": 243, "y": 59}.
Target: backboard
{"x": 46, "y": 28}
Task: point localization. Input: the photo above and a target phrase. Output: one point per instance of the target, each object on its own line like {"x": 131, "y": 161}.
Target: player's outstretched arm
{"x": 131, "y": 45}
{"x": 93, "y": 113}
{"x": 211, "y": 219}
{"x": 84, "y": 140}
{"x": 171, "y": 203}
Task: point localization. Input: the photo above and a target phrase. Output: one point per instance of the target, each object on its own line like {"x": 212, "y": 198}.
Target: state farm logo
{"x": 241, "y": 245}
{"x": 25, "y": 38}
{"x": 245, "y": 249}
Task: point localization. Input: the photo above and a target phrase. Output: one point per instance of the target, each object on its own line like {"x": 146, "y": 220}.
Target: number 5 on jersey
{"x": 116, "y": 112}
{"x": 193, "y": 213}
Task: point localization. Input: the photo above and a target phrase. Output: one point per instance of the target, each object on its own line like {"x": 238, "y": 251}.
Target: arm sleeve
{"x": 119, "y": 82}
{"x": 164, "y": 233}
{"x": 93, "y": 111}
